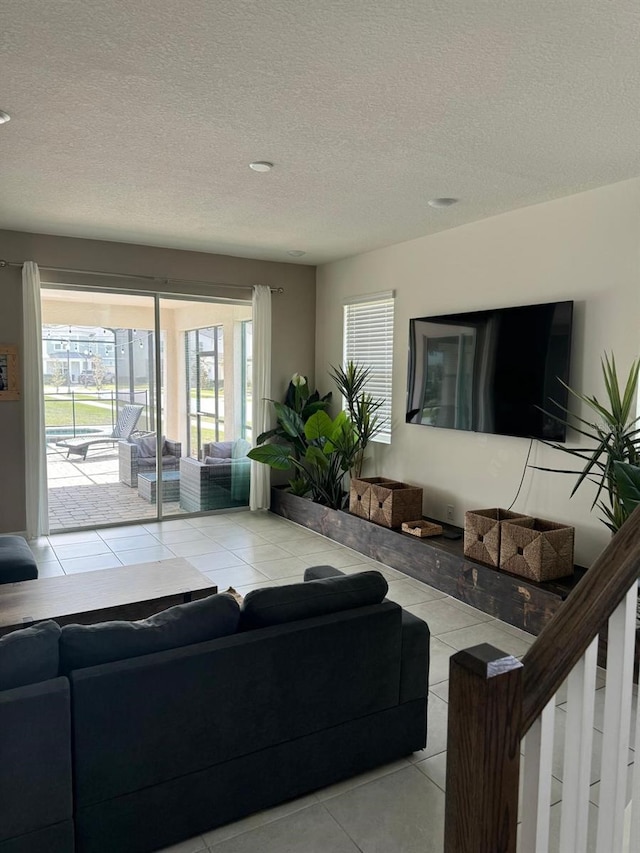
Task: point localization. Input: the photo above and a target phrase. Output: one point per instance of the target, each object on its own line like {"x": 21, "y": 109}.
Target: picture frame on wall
{"x": 9, "y": 382}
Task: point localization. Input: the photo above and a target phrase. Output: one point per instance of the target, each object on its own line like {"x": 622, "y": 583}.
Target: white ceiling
{"x": 136, "y": 121}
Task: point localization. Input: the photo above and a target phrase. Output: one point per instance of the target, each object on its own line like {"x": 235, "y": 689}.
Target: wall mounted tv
{"x": 492, "y": 371}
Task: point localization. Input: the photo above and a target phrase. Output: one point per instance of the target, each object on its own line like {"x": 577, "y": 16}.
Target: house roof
{"x": 137, "y": 121}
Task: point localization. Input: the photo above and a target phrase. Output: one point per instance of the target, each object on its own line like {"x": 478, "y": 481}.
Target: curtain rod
{"x": 155, "y": 278}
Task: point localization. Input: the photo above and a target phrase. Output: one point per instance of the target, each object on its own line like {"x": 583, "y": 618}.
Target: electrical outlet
{"x": 450, "y": 512}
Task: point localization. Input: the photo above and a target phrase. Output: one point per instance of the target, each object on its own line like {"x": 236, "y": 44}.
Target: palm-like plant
{"x": 616, "y": 439}
{"x": 361, "y": 406}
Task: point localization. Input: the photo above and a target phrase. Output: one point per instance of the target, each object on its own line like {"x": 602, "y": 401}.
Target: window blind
{"x": 368, "y": 342}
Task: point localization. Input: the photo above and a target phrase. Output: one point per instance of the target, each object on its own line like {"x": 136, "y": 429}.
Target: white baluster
{"x": 536, "y": 796}
{"x": 617, "y": 723}
{"x": 577, "y": 752}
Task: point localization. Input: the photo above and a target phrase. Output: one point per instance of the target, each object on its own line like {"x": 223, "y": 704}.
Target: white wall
{"x": 584, "y": 247}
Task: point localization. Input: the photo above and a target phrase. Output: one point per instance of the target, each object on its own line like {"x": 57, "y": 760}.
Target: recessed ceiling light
{"x": 296, "y": 253}
{"x": 261, "y": 166}
{"x": 442, "y": 202}
{"x": 4, "y": 117}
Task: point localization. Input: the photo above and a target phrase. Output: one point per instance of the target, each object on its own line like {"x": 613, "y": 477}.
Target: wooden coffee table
{"x": 127, "y": 592}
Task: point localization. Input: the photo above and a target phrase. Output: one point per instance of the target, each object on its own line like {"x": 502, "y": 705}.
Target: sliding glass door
{"x": 134, "y": 385}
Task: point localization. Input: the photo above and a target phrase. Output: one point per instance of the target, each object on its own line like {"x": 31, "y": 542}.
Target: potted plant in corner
{"x": 321, "y": 450}
{"x": 616, "y": 440}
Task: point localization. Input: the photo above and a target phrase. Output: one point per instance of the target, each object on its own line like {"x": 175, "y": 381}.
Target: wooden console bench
{"x": 436, "y": 561}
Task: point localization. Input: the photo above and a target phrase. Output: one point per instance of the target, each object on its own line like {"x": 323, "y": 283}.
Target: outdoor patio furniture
{"x": 125, "y": 425}
{"x": 221, "y": 481}
{"x": 138, "y": 455}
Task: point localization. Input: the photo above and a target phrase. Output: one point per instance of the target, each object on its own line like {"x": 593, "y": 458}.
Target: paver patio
{"x": 88, "y": 492}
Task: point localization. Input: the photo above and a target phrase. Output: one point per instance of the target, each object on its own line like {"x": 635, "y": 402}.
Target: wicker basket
{"x": 537, "y": 549}
{"x": 482, "y": 534}
{"x": 392, "y": 503}
{"x": 360, "y": 494}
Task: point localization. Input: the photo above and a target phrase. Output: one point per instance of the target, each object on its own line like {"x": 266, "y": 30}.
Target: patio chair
{"x": 221, "y": 481}
{"x": 138, "y": 456}
{"x": 125, "y": 425}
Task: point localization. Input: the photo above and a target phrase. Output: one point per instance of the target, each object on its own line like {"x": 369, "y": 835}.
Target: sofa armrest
{"x": 174, "y": 447}
{"x": 414, "y": 672}
{"x": 128, "y": 462}
{"x": 35, "y": 771}
{"x": 414, "y": 669}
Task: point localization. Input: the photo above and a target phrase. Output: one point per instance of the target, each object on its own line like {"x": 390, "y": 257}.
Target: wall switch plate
{"x": 449, "y": 512}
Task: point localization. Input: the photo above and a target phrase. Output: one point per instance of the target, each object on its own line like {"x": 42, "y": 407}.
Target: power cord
{"x": 524, "y": 471}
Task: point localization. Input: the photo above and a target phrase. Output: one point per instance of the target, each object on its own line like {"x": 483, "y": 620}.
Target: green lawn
{"x": 60, "y": 413}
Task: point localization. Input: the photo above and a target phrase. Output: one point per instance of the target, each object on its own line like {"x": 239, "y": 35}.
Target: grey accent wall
{"x": 293, "y": 325}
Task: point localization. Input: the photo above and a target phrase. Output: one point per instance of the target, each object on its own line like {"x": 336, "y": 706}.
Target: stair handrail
{"x": 494, "y": 699}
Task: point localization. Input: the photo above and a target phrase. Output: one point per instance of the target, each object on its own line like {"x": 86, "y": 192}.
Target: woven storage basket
{"x": 537, "y": 549}
{"x": 392, "y": 503}
{"x": 360, "y": 494}
{"x": 482, "y": 534}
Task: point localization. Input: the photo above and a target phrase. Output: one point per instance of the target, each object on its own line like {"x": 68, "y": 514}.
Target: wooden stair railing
{"x": 494, "y": 700}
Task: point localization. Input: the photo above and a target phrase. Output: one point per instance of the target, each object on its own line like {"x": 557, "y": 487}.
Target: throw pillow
{"x": 29, "y": 656}
{"x": 146, "y": 446}
{"x": 276, "y": 605}
{"x": 182, "y": 625}
{"x": 220, "y": 449}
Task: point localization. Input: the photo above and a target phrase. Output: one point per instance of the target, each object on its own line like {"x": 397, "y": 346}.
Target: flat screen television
{"x": 495, "y": 371}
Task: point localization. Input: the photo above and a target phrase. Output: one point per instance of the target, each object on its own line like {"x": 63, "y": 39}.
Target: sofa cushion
{"x": 276, "y": 605}
{"x": 221, "y": 449}
{"x": 182, "y": 625}
{"x": 29, "y": 656}
{"x": 216, "y": 460}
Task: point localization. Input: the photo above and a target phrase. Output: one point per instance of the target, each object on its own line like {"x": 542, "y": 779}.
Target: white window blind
{"x": 368, "y": 342}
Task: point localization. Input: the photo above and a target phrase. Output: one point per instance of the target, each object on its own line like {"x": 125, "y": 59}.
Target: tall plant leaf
{"x": 278, "y": 456}
{"x": 628, "y": 483}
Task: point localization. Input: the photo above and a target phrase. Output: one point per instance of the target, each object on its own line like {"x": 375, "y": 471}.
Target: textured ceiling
{"x": 136, "y": 121}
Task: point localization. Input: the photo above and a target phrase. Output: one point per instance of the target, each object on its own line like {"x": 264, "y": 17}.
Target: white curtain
{"x": 37, "y": 505}
{"x": 260, "y": 492}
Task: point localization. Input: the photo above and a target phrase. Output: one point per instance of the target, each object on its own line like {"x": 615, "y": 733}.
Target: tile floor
{"x": 399, "y": 807}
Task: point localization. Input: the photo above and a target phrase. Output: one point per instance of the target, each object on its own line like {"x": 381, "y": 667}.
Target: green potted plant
{"x": 321, "y": 450}
{"x": 616, "y": 443}
{"x": 361, "y": 406}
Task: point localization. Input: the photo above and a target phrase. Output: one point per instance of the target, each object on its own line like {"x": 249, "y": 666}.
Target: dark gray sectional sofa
{"x": 304, "y": 685}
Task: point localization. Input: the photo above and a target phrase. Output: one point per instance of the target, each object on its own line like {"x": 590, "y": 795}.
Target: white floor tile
{"x": 109, "y": 533}
{"x": 49, "y": 569}
{"x": 235, "y": 576}
{"x": 73, "y": 538}
{"x": 310, "y": 830}
{"x": 287, "y": 568}
{"x": 261, "y": 553}
{"x": 81, "y": 549}
{"x": 402, "y": 812}
{"x": 91, "y": 564}
{"x": 192, "y": 548}
{"x": 441, "y": 615}
{"x": 144, "y": 555}
{"x": 215, "y": 560}
{"x": 129, "y": 543}
{"x": 184, "y": 534}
